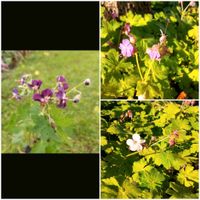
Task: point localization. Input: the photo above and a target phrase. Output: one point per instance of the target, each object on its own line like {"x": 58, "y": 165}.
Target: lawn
{"x": 77, "y": 124}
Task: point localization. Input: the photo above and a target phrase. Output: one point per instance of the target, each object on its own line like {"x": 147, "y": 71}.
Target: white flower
{"x": 135, "y": 143}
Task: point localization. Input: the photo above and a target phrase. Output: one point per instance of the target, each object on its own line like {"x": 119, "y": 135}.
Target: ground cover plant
{"x": 50, "y": 103}
{"x": 149, "y": 150}
{"x": 150, "y": 55}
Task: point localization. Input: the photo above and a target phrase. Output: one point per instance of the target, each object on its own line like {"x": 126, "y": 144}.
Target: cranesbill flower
{"x": 62, "y": 83}
{"x": 35, "y": 85}
{"x": 43, "y": 97}
{"x": 153, "y": 52}
{"x": 135, "y": 144}
{"x": 15, "y": 94}
{"x": 62, "y": 99}
{"x": 127, "y": 49}
{"x": 61, "y": 79}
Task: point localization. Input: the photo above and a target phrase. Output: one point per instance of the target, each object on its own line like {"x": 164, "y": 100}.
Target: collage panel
{"x": 52, "y": 103}
{"x": 149, "y": 50}
{"x": 149, "y": 149}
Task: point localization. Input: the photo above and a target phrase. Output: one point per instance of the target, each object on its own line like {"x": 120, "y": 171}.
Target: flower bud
{"x": 87, "y": 81}
{"x": 132, "y": 39}
{"x": 192, "y": 3}
{"x": 162, "y": 39}
{"x": 77, "y": 98}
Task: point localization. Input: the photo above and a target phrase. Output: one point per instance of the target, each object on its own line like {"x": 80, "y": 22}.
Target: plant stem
{"x": 159, "y": 141}
{"x": 138, "y": 66}
{"x": 146, "y": 75}
{"x": 74, "y": 88}
{"x": 183, "y": 11}
{"x": 131, "y": 154}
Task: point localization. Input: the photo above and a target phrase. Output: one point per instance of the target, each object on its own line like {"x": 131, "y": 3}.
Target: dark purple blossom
{"x": 43, "y": 97}
{"x": 15, "y": 94}
{"x": 35, "y": 85}
{"x": 127, "y": 49}
{"x": 62, "y": 99}
{"x": 62, "y": 84}
{"x": 62, "y": 103}
{"x": 61, "y": 79}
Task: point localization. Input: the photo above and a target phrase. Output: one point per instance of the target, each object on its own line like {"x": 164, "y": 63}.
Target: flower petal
{"x": 139, "y": 147}
{"x": 125, "y": 42}
{"x": 136, "y": 137}
{"x": 47, "y": 92}
{"x": 133, "y": 147}
{"x": 37, "y": 97}
{"x": 129, "y": 142}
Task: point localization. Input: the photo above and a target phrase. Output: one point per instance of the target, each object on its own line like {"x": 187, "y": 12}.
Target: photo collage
{"x": 133, "y": 102}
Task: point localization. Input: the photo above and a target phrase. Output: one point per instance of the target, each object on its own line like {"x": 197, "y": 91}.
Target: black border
{"x": 50, "y": 176}
{"x": 50, "y": 25}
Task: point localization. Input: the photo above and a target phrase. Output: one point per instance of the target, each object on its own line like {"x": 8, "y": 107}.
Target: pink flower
{"x": 127, "y": 49}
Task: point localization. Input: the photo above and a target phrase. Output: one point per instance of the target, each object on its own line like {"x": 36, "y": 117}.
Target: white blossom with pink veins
{"x": 135, "y": 143}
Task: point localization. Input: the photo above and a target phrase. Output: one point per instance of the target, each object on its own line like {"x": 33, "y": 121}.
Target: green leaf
{"x": 111, "y": 181}
{"x": 151, "y": 179}
{"x": 172, "y": 109}
{"x": 103, "y": 141}
{"x": 140, "y": 166}
{"x": 187, "y": 176}
{"x": 113, "y": 129}
{"x": 178, "y": 191}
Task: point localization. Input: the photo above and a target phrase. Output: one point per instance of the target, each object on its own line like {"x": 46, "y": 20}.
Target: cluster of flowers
{"x": 136, "y": 143}
{"x": 172, "y": 139}
{"x": 57, "y": 95}
{"x": 127, "y": 46}
{"x": 156, "y": 52}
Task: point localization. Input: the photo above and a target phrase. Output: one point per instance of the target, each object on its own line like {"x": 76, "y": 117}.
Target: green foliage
{"x": 166, "y": 79}
{"x": 159, "y": 170}
{"x": 76, "y": 127}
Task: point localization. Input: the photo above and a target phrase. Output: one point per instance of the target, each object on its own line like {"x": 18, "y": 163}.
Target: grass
{"x": 82, "y": 119}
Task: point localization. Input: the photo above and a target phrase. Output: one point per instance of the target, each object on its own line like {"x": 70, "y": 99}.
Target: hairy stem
{"x": 138, "y": 66}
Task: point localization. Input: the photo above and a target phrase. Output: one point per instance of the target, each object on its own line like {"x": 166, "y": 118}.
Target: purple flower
{"x": 35, "y": 85}
{"x": 62, "y": 103}
{"x": 62, "y": 99}
{"x": 15, "y": 94}
{"x": 43, "y": 97}
{"x": 62, "y": 84}
{"x": 127, "y": 49}
{"x": 154, "y": 52}
{"x": 61, "y": 79}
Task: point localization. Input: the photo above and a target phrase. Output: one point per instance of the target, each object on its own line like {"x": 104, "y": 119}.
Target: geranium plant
{"x": 42, "y": 125}
{"x": 149, "y": 150}
{"x": 154, "y": 55}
